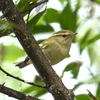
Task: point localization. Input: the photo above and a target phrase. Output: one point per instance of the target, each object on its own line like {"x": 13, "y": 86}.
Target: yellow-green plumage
{"x": 55, "y": 48}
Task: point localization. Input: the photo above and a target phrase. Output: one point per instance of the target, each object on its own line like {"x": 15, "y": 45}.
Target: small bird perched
{"x": 55, "y": 48}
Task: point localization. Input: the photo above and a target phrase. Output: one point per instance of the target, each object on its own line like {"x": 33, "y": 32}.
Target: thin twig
{"x": 16, "y": 94}
{"x": 89, "y": 71}
{"x": 28, "y": 17}
{"x": 17, "y": 78}
{"x": 91, "y": 95}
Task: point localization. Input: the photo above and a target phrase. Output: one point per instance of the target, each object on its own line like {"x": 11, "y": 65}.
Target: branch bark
{"x": 14, "y": 93}
{"x": 53, "y": 82}
{"x": 17, "y": 78}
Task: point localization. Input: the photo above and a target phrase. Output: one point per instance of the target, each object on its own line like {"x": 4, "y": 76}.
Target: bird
{"x": 55, "y": 48}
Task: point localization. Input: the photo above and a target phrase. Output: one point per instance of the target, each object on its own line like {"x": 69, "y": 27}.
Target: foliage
{"x": 69, "y": 17}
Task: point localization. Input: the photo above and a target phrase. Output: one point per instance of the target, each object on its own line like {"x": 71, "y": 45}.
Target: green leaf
{"x": 68, "y": 18}
{"x": 35, "y": 91}
{"x": 51, "y": 15}
{"x": 73, "y": 67}
{"x": 62, "y": 1}
{"x": 27, "y": 5}
{"x": 84, "y": 38}
{"x": 88, "y": 39}
{"x": 95, "y": 38}
{"x": 82, "y": 97}
{"x": 98, "y": 91}
{"x": 12, "y": 52}
{"x": 34, "y": 20}
{"x": 42, "y": 28}
{"x": 97, "y": 1}
{"x": 77, "y": 85}
{"x": 94, "y": 51}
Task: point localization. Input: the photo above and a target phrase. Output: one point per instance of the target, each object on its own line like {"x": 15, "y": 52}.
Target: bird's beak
{"x": 76, "y": 33}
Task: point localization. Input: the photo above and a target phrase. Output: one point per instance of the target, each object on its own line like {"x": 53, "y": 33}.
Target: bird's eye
{"x": 63, "y": 35}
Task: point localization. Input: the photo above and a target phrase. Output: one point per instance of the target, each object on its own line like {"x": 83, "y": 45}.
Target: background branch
{"x": 17, "y": 78}
{"x": 13, "y": 93}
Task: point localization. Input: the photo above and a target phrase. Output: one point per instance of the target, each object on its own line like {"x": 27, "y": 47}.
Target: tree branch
{"x": 91, "y": 95}
{"x": 14, "y": 93}
{"x": 17, "y": 78}
{"x": 53, "y": 82}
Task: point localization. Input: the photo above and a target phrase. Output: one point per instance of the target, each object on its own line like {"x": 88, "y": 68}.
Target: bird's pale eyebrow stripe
{"x": 60, "y": 34}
